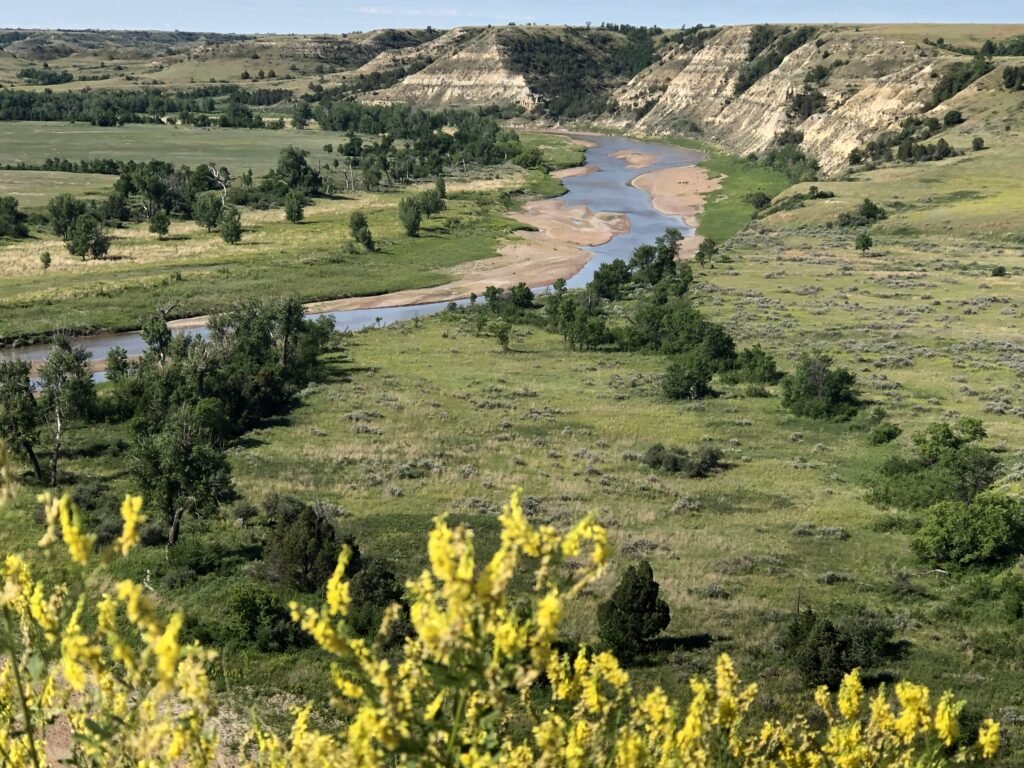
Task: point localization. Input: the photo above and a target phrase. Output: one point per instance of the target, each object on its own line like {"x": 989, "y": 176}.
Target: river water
{"x": 606, "y": 189}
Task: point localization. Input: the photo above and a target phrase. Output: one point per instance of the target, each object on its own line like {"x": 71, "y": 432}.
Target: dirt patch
{"x": 635, "y": 159}
{"x": 678, "y": 191}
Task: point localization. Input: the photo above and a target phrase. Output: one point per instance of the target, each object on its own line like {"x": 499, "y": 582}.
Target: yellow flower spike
{"x": 51, "y": 513}
{"x": 338, "y": 598}
{"x": 167, "y": 650}
{"x": 988, "y": 738}
{"x": 851, "y": 695}
{"x": 946, "y": 713}
{"x": 79, "y": 544}
{"x": 131, "y": 514}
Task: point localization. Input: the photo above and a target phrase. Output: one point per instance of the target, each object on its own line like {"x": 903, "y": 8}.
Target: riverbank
{"x": 553, "y": 251}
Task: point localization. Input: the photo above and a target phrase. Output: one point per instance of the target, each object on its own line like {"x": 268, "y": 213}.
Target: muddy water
{"x": 606, "y": 189}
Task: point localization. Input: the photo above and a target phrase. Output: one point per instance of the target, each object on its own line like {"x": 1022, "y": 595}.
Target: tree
{"x": 230, "y": 224}
{"x": 977, "y": 143}
{"x": 87, "y": 238}
{"x": 634, "y": 614}
{"x": 410, "y": 215}
{"x": 64, "y": 209}
{"x": 706, "y": 251}
{"x": 864, "y": 242}
{"x": 441, "y": 187}
{"x": 819, "y": 391}
{"x": 521, "y": 296}
{"x": 12, "y": 221}
{"x": 304, "y": 547}
{"x": 160, "y": 224}
{"x": 360, "y": 230}
{"x": 179, "y": 470}
{"x": 295, "y": 173}
{"x": 502, "y": 331}
{"x": 45, "y": 259}
{"x": 688, "y": 378}
{"x": 19, "y": 412}
{"x": 302, "y": 113}
{"x": 609, "y": 279}
{"x": 294, "y": 203}
{"x": 67, "y": 394}
{"x": 206, "y": 209}
{"x": 431, "y": 202}
{"x": 157, "y": 335}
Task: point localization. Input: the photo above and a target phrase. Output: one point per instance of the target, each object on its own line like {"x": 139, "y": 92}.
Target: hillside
{"x": 837, "y": 88}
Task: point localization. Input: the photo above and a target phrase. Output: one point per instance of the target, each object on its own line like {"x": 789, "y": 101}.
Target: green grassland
{"x": 33, "y": 189}
{"x": 237, "y": 149}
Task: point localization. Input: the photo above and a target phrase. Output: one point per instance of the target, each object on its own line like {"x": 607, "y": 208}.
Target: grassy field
{"x": 33, "y": 189}
{"x": 237, "y": 149}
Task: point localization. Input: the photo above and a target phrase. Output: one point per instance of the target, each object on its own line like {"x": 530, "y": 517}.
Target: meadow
{"x": 238, "y": 149}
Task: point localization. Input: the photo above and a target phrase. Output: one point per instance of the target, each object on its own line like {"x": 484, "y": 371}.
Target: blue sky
{"x": 328, "y": 16}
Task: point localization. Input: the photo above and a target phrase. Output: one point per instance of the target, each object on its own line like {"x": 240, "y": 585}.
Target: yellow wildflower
{"x": 851, "y": 694}
{"x": 131, "y": 513}
{"x": 988, "y": 738}
{"x": 946, "y": 725}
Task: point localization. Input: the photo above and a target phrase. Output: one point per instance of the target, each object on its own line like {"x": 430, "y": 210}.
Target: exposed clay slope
{"x": 873, "y": 84}
{"x": 476, "y": 74}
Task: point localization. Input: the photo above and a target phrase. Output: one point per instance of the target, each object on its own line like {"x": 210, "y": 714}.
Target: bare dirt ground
{"x": 680, "y": 192}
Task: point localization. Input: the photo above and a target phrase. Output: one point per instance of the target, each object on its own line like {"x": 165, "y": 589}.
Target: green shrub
{"x": 705, "y": 461}
{"x": 999, "y": 271}
{"x": 985, "y": 531}
{"x": 634, "y": 614}
{"x": 688, "y": 378}
{"x": 373, "y": 589}
{"x": 822, "y": 651}
{"x": 12, "y": 221}
{"x": 884, "y": 433}
{"x": 946, "y": 465}
{"x": 303, "y": 547}
{"x": 253, "y": 614}
{"x": 818, "y": 391}
{"x": 230, "y": 224}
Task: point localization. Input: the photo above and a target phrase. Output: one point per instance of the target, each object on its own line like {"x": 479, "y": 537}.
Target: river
{"x": 608, "y": 189}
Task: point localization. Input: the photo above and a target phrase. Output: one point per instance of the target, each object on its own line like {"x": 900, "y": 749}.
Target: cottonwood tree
{"x": 230, "y": 225}
{"x": 19, "y": 413}
{"x": 67, "y": 394}
{"x": 360, "y": 230}
{"x": 87, "y": 237}
{"x": 206, "y": 209}
{"x": 64, "y": 209}
{"x": 179, "y": 470}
